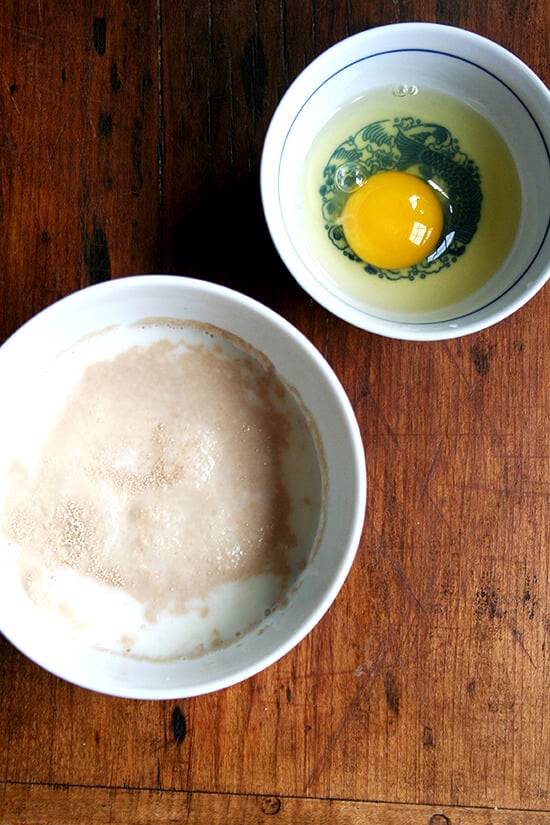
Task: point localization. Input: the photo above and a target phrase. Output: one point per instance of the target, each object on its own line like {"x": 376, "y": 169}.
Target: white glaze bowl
{"x": 25, "y": 359}
{"x": 451, "y": 61}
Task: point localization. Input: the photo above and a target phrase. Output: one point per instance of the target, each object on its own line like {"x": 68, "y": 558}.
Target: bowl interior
{"x": 25, "y": 356}
{"x": 438, "y": 59}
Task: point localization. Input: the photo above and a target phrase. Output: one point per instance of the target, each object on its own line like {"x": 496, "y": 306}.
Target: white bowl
{"x": 25, "y": 364}
{"x": 423, "y": 58}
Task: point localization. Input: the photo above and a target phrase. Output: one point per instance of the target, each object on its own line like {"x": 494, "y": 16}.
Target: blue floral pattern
{"x": 427, "y": 150}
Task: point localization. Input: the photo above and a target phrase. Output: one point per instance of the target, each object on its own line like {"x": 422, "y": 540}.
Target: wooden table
{"x": 130, "y": 141}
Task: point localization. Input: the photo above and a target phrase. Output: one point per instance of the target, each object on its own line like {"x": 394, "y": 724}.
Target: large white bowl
{"x": 494, "y": 82}
{"x": 25, "y": 356}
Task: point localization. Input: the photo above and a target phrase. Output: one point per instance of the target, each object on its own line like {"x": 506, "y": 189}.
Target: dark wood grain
{"x": 80, "y": 149}
{"x": 130, "y": 142}
{"x": 36, "y": 805}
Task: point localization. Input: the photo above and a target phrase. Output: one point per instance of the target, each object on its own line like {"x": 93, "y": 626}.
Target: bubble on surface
{"x": 404, "y": 89}
{"x": 350, "y": 176}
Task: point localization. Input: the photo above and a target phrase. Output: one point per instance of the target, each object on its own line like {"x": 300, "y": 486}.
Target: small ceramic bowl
{"x": 40, "y": 366}
{"x": 438, "y": 103}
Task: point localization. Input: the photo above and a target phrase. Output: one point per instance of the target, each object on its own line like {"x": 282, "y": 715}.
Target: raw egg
{"x": 393, "y": 221}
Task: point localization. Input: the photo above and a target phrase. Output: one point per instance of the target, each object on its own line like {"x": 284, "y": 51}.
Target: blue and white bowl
{"x": 406, "y": 57}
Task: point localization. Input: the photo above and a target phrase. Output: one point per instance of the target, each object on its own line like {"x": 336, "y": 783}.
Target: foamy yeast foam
{"x": 164, "y": 491}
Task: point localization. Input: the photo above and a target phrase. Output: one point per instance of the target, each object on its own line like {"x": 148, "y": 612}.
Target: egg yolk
{"x": 393, "y": 221}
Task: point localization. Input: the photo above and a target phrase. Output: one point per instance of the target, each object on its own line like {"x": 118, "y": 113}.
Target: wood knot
{"x": 270, "y": 805}
{"x": 439, "y": 819}
{"x": 100, "y": 35}
{"x": 392, "y": 692}
{"x": 482, "y": 359}
{"x": 179, "y": 725}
